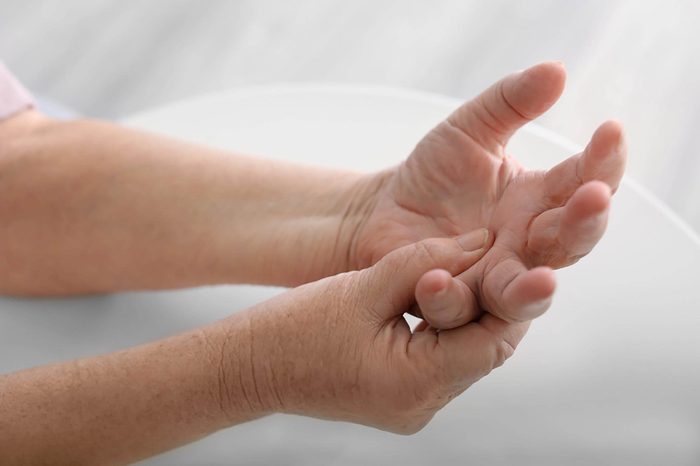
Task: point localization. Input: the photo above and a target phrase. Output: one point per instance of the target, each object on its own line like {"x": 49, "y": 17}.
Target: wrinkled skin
{"x": 459, "y": 177}
{"x": 339, "y": 348}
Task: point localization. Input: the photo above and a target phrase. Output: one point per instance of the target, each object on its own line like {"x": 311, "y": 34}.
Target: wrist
{"x": 308, "y": 233}
{"x": 361, "y": 200}
{"x": 241, "y": 383}
{"x": 270, "y": 362}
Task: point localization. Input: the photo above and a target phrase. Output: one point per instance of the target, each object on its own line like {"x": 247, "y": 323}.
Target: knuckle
{"x": 396, "y": 259}
{"x": 502, "y": 352}
{"x": 424, "y": 251}
{"x": 430, "y": 251}
{"x": 498, "y": 352}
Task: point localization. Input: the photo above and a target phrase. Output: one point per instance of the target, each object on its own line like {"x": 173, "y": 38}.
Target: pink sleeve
{"x": 13, "y": 96}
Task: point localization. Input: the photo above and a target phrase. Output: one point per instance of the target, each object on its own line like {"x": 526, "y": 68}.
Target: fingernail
{"x": 474, "y": 240}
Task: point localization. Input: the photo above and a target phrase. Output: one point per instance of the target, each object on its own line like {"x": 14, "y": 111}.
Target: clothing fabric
{"x": 13, "y": 96}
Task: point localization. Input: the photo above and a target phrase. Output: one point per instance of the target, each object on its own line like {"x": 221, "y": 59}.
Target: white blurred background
{"x": 632, "y": 60}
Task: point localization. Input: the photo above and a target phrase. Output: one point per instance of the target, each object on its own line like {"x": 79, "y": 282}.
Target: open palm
{"x": 460, "y": 178}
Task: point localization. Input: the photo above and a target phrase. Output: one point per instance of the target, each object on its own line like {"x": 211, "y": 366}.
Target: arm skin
{"x": 121, "y": 407}
{"x": 282, "y": 355}
{"x": 89, "y": 206}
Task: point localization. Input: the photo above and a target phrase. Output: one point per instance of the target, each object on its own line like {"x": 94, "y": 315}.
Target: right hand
{"x": 340, "y": 349}
{"x": 460, "y": 177}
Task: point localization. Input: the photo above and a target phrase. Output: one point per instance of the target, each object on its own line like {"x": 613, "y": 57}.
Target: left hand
{"x": 459, "y": 177}
{"x": 339, "y": 348}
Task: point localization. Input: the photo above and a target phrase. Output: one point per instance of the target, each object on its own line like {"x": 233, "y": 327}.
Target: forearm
{"x": 128, "y": 405}
{"x": 87, "y": 206}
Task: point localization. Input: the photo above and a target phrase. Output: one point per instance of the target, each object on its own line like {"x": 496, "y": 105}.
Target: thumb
{"x": 393, "y": 279}
{"x": 492, "y": 117}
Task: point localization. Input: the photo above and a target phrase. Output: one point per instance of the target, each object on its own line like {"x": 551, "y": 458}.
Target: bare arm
{"x": 124, "y": 406}
{"x": 89, "y": 206}
{"x": 336, "y": 349}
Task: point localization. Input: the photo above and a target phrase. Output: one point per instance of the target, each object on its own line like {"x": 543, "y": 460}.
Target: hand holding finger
{"x": 445, "y": 302}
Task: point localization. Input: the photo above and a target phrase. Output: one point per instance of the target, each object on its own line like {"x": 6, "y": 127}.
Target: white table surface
{"x": 611, "y": 375}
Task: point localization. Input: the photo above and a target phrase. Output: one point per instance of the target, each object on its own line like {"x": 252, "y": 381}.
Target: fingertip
{"x": 622, "y": 138}
{"x": 548, "y": 76}
{"x": 550, "y": 70}
{"x": 599, "y": 194}
{"x": 445, "y": 302}
{"x": 585, "y": 219}
{"x": 534, "y": 310}
{"x": 607, "y": 138}
{"x": 614, "y": 132}
{"x": 591, "y": 199}
{"x": 433, "y": 282}
{"x": 539, "y": 87}
{"x": 538, "y": 283}
{"x": 605, "y": 157}
{"x": 530, "y": 295}
{"x": 546, "y": 281}
{"x": 608, "y": 151}
{"x": 613, "y": 128}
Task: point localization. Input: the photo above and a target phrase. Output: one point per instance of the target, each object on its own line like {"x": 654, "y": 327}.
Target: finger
{"x": 603, "y": 159}
{"x": 516, "y": 294}
{"x": 472, "y": 351}
{"x": 445, "y": 302}
{"x": 561, "y": 236}
{"x": 393, "y": 279}
{"x": 492, "y": 117}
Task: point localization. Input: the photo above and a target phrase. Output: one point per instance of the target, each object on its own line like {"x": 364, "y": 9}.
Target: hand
{"x": 340, "y": 348}
{"x": 459, "y": 177}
